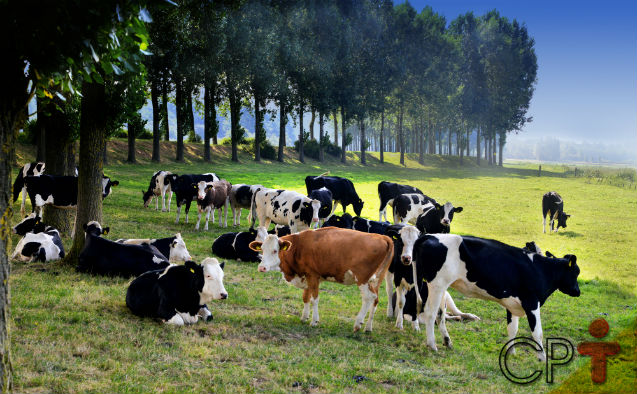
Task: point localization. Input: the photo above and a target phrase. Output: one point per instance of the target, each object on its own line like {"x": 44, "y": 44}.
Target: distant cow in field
{"x": 241, "y": 197}
{"x": 172, "y": 247}
{"x": 284, "y": 207}
{"x": 325, "y": 197}
{"x": 159, "y": 186}
{"x": 104, "y": 257}
{"x": 185, "y": 189}
{"x": 211, "y": 196}
{"x": 553, "y": 205}
{"x": 177, "y": 294}
{"x": 491, "y": 270}
{"x": 337, "y": 255}
{"x": 387, "y": 191}
{"x": 29, "y": 169}
{"x": 343, "y": 191}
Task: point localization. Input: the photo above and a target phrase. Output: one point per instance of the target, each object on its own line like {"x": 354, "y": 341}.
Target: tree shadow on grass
{"x": 569, "y": 234}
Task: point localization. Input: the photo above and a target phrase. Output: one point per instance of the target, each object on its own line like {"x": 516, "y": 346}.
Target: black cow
{"x": 177, "y": 294}
{"x": 387, "y": 191}
{"x": 172, "y": 247}
{"x": 58, "y": 191}
{"x": 488, "y": 269}
{"x": 103, "y": 257}
{"x": 437, "y": 219}
{"x": 553, "y": 204}
{"x": 344, "y": 221}
{"x": 185, "y": 187}
{"x": 325, "y": 197}
{"x": 241, "y": 197}
{"x": 343, "y": 191}
{"x": 236, "y": 245}
{"x": 370, "y": 226}
{"x": 29, "y": 169}
{"x": 40, "y": 242}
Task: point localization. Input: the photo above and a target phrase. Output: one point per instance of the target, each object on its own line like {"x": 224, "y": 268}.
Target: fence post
{"x": 539, "y": 171}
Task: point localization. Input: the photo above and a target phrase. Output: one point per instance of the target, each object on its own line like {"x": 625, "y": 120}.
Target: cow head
{"x": 310, "y": 211}
{"x": 561, "y": 220}
{"x": 95, "y": 229}
{"x": 270, "y": 249}
{"x": 404, "y": 237}
{"x": 446, "y": 213}
{"x": 344, "y": 221}
{"x": 281, "y": 230}
{"x": 568, "y": 282}
{"x": 107, "y": 186}
{"x": 29, "y": 224}
{"x": 202, "y": 188}
{"x": 148, "y": 197}
{"x": 531, "y": 247}
{"x": 358, "y": 206}
{"x": 178, "y": 251}
{"x": 209, "y": 279}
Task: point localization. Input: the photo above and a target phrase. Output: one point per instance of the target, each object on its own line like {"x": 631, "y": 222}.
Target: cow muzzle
{"x": 445, "y": 222}
{"x": 405, "y": 259}
{"x": 262, "y": 269}
{"x": 314, "y": 220}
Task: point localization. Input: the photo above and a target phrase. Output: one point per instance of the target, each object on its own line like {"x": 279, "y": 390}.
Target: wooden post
{"x": 539, "y": 171}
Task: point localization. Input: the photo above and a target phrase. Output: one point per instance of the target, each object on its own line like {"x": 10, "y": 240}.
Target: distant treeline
{"x": 564, "y": 151}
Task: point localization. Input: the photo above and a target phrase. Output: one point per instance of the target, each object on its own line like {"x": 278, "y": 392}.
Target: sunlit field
{"x": 73, "y": 332}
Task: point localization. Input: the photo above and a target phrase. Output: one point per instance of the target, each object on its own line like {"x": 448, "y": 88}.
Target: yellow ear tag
{"x": 285, "y": 247}
{"x": 394, "y": 237}
{"x": 192, "y": 270}
{"x": 570, "y": 263}
{"x": 105, "y": 232}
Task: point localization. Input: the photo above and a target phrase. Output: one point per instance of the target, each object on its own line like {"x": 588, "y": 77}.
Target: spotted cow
{"x": 241, "y": 197}
{"x": 159, "y": 186}
{"x": 387, "y": 191}
{"x": 29, "y": 169}
{"x": 284, "y": 207}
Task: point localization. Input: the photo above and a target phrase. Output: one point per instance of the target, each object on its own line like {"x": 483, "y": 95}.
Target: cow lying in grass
{"x": 39, "y": 242}
{"x": 336, "y": 255}
{"x": 172, "y": 247}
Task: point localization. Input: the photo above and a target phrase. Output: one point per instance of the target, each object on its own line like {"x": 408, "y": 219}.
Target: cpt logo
{"x": 598, "y": 351}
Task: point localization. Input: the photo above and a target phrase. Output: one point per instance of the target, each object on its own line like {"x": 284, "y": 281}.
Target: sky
{"x": 587, "y": 64}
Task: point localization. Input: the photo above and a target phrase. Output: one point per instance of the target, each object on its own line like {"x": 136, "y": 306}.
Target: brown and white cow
{"x": 334, "y": 254}
{"x": 211, "y": 196}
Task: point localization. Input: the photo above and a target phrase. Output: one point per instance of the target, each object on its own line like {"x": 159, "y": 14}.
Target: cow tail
{"x": 389, "y": 256}
{"x": 18, "y": 185}
{"x": 253, "y": 210}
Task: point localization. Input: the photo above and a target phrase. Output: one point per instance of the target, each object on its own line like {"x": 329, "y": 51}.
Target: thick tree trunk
{"x": 478, "y": 146}
{"x": 235, "y": 114}
{"x": 301, "y": 152}
{"x": 343, "y": 136}
{"x": 401, "y": 136}
{"x": 502, "y": 141}
{"x": 132, "y": 134}
{"x": 381, "y": 139}
{"x": 182, "y": 117}
{"x": 154, "y": 97}
{"x": 207, "y": 121}
{"x": 363, "y": 141}
{"x": 89, "y": 185}
{"x": 283, "y": 117}
{"x": 336, "y": 127}
{"x": 321, "y": 134}
{"x": 165, "y": 125}
{"x": 257, "y": 129}
{"x": 313, "y": 118}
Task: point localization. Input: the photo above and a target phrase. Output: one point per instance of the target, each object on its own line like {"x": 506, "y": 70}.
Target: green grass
{"x": 73, "y": 333}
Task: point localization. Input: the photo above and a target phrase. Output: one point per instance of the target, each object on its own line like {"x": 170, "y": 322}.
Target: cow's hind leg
{"x": 306, "y": 305}
{"x": 372, "y": 312}
{"x": 431, "y": 310}
{"x": 389, "y": 289}
{"x": 314, "y": 299}
{"x": 512, "y": 328}
{"x": 368, "y": 298}
{"x": 533, "y": 316}
{"x": 170, "y": 197}
{"x": 442, "y": 325}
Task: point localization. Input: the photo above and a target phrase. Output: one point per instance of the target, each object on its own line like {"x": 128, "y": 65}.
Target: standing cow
{"x": 325, "y": 197}
{"x": 337, "y": 255}
{"x": 211, "y": 196}
{"x": 241, "y": 197}
{"x": 159, "y": 186}
{"x": 185, "y": 189}
{"x": 29, "y": 169}
{"x": 387, "y": 191}
{"x": 343, "y": 191}
{"x": 437, "y": 219}
{"x": 553, "y": 205}
{"x": 284, "y": 207}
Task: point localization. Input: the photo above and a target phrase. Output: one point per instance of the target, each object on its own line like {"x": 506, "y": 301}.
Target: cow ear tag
{"x": 286, "y": 247}
{"x": 105, "y": 232}
{"x": 570, "y": 264}
{"x": 192, "y": 270}
{"x": 394, "y": 237}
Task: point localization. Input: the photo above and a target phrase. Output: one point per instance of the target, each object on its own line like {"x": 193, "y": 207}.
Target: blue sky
{"x": 587, "y": 64}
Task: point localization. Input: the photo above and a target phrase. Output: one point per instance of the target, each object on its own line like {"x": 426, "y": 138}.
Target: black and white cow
{"x": 177, "y": 294}
{"x": 29, "y": 169}
{"x": 437, "y": 219}
{"x": 553, "y": 205}
{"x": 173, "y": 247}
{"x": 185, "y": 189}
{"x": 408, "y": 206}
{"x": 58, "y": 191}
{"x": 487, "y": 269}
{"x": 104, "y": 257}
{"x": 324, "y": 196}
{"x": 159, "y": 186}
{"x": 211, "y": 196}
{"x": 236, "y": 245}
{"x": 387, "y": 191}
{"x": 343, "y": 191}
{"x": 284, "y": 207}
{"x": 344, "y": 221}
{"x": 41, "y": 243}
{"x": 370, "y": 226}
{"x": 241, "y": 197}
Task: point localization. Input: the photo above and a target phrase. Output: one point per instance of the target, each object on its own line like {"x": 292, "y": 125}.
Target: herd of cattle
{"x": 416, "y": 255}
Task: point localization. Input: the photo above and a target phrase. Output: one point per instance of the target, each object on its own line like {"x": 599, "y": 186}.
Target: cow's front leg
{"x": 176, "y": 320}
{"x": 187, "y": 209}
{"x": 442, "y": 325}
{"x": 170, "y": 197}
{"x": 512, "y": 329}
{"x": 533, "y": 316}
{"x": 198, "y": 219}
{"x": 432, "y": 306}
{"x": 178, "y": 212}
{"x": 389, "y": 289}
{"x": 372, "y": 312}
{"x": 225, "y": 216}
{"x": 368, "y": 298}
{"x": 544, "y": 224}
{"x": 313, "y": 288}
{"x": 207, "y": 217}
{"x": 306, "y": 305}
{"x": 401, "y": 298}
{"x": 204, "y": 313}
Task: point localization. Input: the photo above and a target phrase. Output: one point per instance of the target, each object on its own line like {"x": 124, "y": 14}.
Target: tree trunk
{"x": 207, "y": 120}
{"x": 132, "y": 134}
{"x": 235, "y": 114}
{"x": 502, "y": 141}
{"x": 336, "y": 127}
{"x": 363, "y": 141}
{"x": 180, "y": 103}
{"x": 468, "y": 141}
{"x": 154, "y": 97}
{"x": 301, "y": 152}
{"x": 321, "y": 147}
{"x": 41, "y": 138}
{"x": 190, "y": 116}
{"x": 421, "y": 143}
{"x": 343, "y": 136}
{"x": 382, "y": 141}
{"x": 449, "y": 142}
{"x": 89, "y": 185}
{"x": 478, "y": 146}
{"x": 257, "y": 129}
{"x": 283, "y": 117}
{"x": 164, "y": 109}
{"x": 401, "y": 136}
{"x": 312, "y": 123}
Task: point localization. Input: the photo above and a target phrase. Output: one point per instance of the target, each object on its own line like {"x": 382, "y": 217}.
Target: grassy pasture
{"x": 73, "y": 333}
